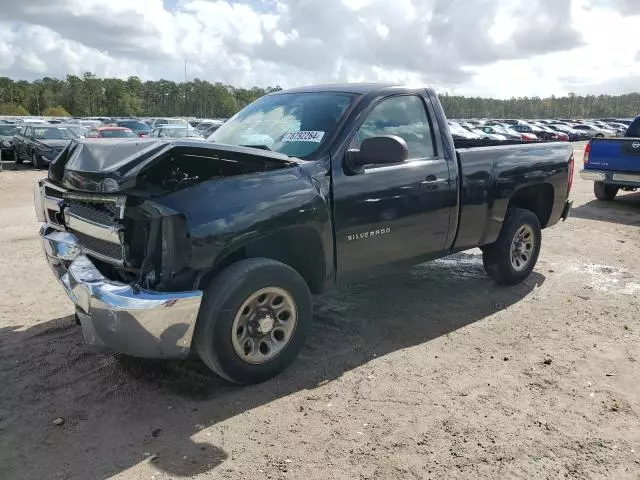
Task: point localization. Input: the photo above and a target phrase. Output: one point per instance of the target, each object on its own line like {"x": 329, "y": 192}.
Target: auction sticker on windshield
{"x": 315, "y": 137}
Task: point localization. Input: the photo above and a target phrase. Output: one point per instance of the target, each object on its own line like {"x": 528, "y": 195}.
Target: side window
{"x": 403, "y": 116}
{"x": 28, "y": 132}
{"x": 92, "y": 134}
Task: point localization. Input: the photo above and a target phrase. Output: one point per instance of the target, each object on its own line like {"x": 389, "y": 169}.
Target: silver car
{"x": 594, "y": 131}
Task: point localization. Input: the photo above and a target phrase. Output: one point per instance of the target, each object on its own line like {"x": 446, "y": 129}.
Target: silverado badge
{"x": 369, "y": 234}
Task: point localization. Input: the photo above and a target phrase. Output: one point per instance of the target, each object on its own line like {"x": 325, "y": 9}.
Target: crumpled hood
{"x": 98, "y": 165}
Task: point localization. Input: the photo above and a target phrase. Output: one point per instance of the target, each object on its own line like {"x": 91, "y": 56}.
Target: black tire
{"x": 603, "y": 191}
{"x": 497, "y": 256}
{"x": 222, "y": 300}
{"x": 37, "y": 161}
{"x": 599, "y": 135}
{"x": 16, "y": 158}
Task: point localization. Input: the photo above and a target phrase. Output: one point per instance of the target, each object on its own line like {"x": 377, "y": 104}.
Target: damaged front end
{"x": 120, "y": 254}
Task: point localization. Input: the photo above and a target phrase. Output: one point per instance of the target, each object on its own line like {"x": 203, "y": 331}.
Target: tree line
{"x": 88, "y": 95}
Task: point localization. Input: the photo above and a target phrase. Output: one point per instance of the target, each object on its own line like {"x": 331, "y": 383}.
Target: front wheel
{"x": 254, "y": 320}
{"x": 37, "y": 161}
{"x": 603, "y": 191}
{"x": 512, "y": 257}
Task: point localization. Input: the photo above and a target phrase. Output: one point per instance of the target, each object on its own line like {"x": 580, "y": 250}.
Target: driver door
{"x": 398, "y": 212}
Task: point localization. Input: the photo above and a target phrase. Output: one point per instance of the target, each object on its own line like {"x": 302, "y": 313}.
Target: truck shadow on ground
{"x": 120, "y": 411}
{"x": 625, "y": 210}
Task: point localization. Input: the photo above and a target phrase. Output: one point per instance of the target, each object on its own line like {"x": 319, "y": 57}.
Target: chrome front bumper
{"x": 117, "y": 316}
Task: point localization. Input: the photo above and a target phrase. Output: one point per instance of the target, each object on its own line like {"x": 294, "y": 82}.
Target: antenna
{"x": 186, "y": 90}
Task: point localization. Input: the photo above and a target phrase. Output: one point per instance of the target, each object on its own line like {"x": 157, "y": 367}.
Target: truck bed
{"x": 491, "y": 175}
{"x": 485, "y": 142}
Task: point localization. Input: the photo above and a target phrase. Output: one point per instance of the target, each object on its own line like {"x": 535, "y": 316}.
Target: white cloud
{"x": 480, "y": 47}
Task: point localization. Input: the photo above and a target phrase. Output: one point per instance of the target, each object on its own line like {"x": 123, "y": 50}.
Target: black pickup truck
{"x": 170, "y": 246}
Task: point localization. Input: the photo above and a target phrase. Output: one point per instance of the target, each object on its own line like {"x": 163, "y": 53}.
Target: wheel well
{"x": 299, "y": 248}
{"x": 537, "y": 198}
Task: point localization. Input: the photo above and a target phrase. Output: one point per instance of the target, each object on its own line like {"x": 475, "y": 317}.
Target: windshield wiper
{"x": 260, "y": 147}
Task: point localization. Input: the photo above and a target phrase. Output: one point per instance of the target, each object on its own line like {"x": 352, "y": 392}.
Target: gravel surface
{"x": 433, "y": 373}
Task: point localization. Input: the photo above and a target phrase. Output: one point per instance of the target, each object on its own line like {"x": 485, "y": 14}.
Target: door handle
{"x": 432, "y": 181}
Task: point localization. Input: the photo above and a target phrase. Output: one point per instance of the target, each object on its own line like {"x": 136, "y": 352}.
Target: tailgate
{"x": 620, "y": 155}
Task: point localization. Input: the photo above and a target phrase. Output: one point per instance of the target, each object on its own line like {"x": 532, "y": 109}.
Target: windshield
{"x": 78, "y": 130}
{"x": 8, "y": 130}
{"x": 52, "y": 133}
{"x": 456, "y": 128}
{"x": 295, "y": 124}
{"x": 118, "y": 134}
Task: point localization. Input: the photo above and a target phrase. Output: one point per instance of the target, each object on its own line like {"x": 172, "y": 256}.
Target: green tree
{"x": 56, "y": 112}
{"x": 88, "y": 95}
{"x": 13, "y": 109}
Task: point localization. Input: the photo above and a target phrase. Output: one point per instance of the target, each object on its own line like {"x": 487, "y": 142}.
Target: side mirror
{"x": 382, "y": 150}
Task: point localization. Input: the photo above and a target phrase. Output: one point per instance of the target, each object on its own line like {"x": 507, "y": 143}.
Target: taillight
{"x": 587, "y": 152}
{"x": 571, "y": 161}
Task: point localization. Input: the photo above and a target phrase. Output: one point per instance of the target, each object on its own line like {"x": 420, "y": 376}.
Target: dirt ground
{"x": 433, "y": 373}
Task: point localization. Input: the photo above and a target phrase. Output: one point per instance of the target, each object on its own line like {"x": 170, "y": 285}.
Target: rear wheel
{"x": 603, "y": 191}
{"x": 254, "y": 320}
{"x": 512, "y": 257}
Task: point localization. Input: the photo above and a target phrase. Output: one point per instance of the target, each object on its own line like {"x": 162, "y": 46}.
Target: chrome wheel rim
{"x": 264, "y": 325}
{"x": 522, "y": 247}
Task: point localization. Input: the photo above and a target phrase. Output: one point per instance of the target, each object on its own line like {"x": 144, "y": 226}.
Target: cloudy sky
{"x": 498, "y": 48}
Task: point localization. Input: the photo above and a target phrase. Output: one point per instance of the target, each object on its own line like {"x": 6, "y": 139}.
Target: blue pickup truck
{"x": 614, "y": 163}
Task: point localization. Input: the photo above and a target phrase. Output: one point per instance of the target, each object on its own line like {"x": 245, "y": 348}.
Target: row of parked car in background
{"x": 538, "y": 130}
{"x": 40, "y": 140}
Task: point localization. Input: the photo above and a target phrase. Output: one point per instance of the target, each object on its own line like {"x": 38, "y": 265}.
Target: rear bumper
{"x": 612, "y": 178}
{"x": 116, "y": 316}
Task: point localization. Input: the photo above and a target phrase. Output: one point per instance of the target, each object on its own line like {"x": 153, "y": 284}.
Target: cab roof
{"x": 356, "y": 88}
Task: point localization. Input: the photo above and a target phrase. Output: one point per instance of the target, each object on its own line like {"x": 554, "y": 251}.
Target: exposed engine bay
{"x": 184, "y": 166}
{"x": 106, "y": 195}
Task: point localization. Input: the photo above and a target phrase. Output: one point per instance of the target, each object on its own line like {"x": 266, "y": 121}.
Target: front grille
{"x": 52, "y": 192}
{"x": 102, "y": 213}
{"x": 93, "y": 219}
{"x": 101, "y": 247}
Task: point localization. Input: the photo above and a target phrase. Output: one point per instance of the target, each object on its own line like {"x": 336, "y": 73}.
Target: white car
{"x": 157, "y": 122}
{"x": 458, "y": 131}
{"x": 486, "y": 135}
